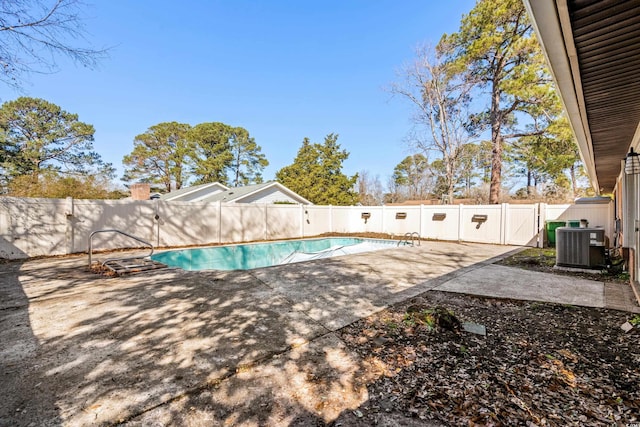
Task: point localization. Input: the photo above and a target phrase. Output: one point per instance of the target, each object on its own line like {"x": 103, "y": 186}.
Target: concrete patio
{"x": 82, "y": 349}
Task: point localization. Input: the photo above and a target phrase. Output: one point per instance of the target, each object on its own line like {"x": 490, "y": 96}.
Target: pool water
{"x": 257, "y": 255}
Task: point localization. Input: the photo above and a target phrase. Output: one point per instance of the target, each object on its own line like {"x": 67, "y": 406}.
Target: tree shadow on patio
{"x": 174, "y": 347}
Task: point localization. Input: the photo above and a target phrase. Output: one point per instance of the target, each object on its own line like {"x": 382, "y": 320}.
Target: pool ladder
{"x": 410, "y": 238}
{"x": 130, "y": 264}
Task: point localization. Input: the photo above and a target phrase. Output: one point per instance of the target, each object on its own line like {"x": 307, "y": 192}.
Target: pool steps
{"x": 130, "y": 264}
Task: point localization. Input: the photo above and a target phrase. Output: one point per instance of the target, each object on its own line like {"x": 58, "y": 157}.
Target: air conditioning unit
{"x": 580, "y": 247}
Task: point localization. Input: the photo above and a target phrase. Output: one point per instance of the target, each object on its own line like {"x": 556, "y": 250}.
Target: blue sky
{"x": 284, "y": 70}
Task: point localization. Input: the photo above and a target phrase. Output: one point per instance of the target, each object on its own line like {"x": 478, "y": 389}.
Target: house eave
{"x": 557, "y": 45}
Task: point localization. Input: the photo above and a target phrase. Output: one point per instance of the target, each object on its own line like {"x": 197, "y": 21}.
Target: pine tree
{"x": 316, "y": 174}
{"x": 160, "y": 156}
{"x": 495, "y": 48}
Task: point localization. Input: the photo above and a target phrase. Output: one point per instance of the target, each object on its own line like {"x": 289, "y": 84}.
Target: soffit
{"x": 606, "y": 35}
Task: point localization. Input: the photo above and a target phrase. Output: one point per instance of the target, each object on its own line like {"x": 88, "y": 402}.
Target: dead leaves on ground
{"x": 540, "y": 364}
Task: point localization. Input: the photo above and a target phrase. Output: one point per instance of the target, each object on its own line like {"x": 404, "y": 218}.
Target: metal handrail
{"x": 417, "y": 237}
{"x": 408, "y": 236}
{"x": 113, "y": 230}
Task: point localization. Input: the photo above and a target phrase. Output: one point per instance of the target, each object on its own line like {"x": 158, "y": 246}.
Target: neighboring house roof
{"x": 184, "y": 193}
{"x": 242, "y": 194}
{"x": 269, "y": 192}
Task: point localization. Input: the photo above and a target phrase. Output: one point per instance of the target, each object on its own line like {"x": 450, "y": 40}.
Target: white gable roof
{"x": 194, "y": 193}
{"x": 268, "y": 192}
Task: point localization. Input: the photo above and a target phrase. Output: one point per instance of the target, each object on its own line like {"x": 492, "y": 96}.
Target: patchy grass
{"x": 544, "y": 260}
{"x": 534, "y": 257}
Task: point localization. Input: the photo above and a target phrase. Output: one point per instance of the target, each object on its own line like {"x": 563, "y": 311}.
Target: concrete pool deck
{"x": 82, "y": 349}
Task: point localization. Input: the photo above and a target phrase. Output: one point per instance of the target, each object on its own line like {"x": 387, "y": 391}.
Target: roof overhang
{"x": 593, "y": 49}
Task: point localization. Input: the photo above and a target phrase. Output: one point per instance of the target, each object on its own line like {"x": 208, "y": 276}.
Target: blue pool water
{"x": 257, "y": 255}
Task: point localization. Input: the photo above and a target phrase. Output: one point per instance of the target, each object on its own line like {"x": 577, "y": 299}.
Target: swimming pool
{"x": 257, "y": 255}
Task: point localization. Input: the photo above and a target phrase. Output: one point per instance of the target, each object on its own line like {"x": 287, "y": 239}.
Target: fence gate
{"x": 521, "y": 225}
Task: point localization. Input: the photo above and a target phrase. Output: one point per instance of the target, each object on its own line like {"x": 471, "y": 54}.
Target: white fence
{"x": 34, "y": 227}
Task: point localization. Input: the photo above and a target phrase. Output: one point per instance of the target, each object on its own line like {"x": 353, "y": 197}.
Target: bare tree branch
{"x": 33, "y": 33}
{"x": 441, "y": 100}
{"x": 522, "y": 134}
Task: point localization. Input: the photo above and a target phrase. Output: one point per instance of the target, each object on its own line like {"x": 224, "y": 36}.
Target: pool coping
{"x": 237, "y": 264}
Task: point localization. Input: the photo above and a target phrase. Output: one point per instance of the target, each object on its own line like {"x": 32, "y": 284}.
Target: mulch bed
{"x": 538, "y": 364}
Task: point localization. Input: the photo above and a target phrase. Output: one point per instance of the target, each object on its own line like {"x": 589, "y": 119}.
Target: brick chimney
{"x": 140, "y": 191}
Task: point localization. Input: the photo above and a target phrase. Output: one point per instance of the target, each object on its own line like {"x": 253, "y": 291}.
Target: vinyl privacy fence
{"x": 35, "y": 227}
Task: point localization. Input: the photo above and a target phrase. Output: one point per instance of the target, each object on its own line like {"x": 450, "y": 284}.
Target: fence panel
{"x": 341, "y": 219}
{"x": 317, "y": 220}
{"x": 364, "y": 219}
{"x": 598, "y": 215}
{"x": 440, "y": 222}
{"x": 33, "y": 227}
{"x": 283, "y": 221}
{"x": 481, "y": 223}
{"x": 399, "y": 220}
{"x": 133, "y": 217}
{"x": 243, "y": 223}
{"x": 187, "y": 223}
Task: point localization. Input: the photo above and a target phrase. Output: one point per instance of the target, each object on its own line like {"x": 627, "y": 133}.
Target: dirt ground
{"x": 538, "y": 364}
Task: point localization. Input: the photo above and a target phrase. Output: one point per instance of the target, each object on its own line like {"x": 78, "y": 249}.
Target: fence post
{"x": 504, "y": 223}
{"x": 420, "y": 228}
{"x": 542, "y": 219}
{"x": 301, "y": 220}
{"x": 157, "y": 218}
{"x": 382, "y": 221}
{"x": 330, "y": 218}
{"x": 460, "y": 211}
{"x": 219, "y": 221}
{"x": 69, "y": 229}
{"x": 266, "y": 222}
{"x": 351, "y": 218}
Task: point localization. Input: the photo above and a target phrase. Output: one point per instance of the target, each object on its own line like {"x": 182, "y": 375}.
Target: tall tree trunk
{"x": 166, "y": 180}
{"x": 35, "y": 174}
{"x": 237, "y": 167}
{"x": 450, "y": 181}
{"x": 496, "y": 152}
{"x": 178, "y": 179}
{"x": 496, "y": 171}
{"x": 574, "y": 184}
